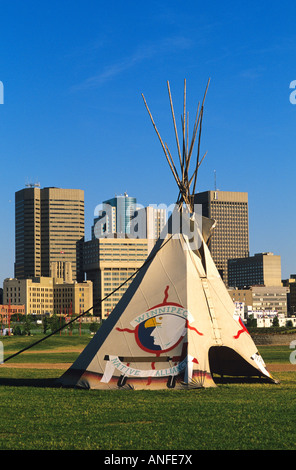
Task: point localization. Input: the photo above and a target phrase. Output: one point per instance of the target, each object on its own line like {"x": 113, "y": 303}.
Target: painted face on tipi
{"x": 167, "y": 330}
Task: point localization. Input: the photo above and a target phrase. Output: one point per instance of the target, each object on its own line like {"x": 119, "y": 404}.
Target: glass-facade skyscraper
{"x": 115, "y": 216}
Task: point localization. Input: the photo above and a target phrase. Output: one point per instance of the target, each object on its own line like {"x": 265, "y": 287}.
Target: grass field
{"x": 234, "y": 416}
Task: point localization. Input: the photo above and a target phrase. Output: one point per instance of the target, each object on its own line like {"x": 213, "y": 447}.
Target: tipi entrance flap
{"x": 225, "y": 361}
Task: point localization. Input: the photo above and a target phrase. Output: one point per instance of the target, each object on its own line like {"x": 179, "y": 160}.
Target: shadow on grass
{"x": 40, "y": 383}
{"x": 243, "y": 380}
{"x": 53, "y": 382}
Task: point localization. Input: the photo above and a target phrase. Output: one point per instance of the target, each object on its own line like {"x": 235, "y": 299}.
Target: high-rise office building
{"x": 27, "y": 233}
{"x": 261, "y": 269}
{"x": 61, "y": 270}
{"x": 108, "y": 263}
{"x": 115, "y": 216}
{"x": 230, "y": 238}
{"x": 149, "y": 222}
{"x": 122, "y": 237}
{"x": 49, "y": 227}
{"x": 291, "y": 284}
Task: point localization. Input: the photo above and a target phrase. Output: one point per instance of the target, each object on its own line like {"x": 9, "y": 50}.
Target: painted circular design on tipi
{"x": 161, "y": 332}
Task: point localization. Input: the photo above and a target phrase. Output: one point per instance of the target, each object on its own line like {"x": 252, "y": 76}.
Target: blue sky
{"x": 73, "y": 115}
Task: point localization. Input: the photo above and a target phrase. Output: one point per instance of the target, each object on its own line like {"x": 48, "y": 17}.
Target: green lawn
{"x": 37, "y": 415}
{"x": 16, "y": 343}
{"x": 272, "y": 354}
{"x": 56, "y": 349}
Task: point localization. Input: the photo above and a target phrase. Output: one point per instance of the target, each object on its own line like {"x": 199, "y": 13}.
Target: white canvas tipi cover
{"x": 174, "y": 327}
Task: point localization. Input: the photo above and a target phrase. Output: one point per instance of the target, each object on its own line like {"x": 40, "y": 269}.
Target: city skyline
{"x": 88, "y": 229}
{"x": 73, "y": 116}
{"x": 202, "y": 204}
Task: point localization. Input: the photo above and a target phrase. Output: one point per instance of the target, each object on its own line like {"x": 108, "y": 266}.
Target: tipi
{"x": 176, "y": 325}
